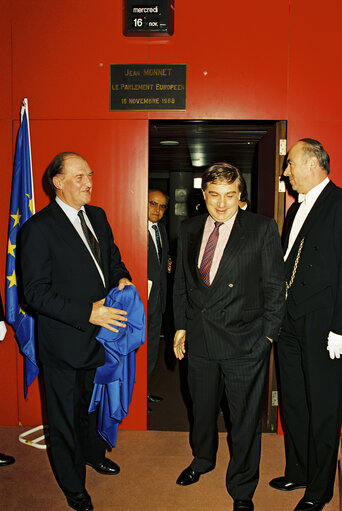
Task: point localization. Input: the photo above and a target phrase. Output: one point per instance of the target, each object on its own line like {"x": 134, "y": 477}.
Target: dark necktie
{"x": 208, "y": 254}
{"x": 92, "y": 241}
{"x": 159, "y": 247}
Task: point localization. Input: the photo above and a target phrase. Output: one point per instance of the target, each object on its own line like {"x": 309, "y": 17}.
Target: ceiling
{"x": 202, "y": 143}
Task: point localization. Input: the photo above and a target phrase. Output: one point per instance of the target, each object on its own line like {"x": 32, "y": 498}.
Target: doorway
{"x": 179, "y": 152}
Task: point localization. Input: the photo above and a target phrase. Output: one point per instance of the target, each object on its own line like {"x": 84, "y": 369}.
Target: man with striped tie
{"x": 228, "y": 306}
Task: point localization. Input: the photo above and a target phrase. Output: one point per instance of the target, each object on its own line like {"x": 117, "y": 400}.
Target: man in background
{"x": 158, "y": 257}
{"x": 310, "y": 344}
{"x": 69, "y": 262}
{"x": 228, "y": 306}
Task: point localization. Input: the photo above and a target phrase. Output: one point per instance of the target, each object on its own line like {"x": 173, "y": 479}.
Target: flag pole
{"x": 24, "y": 108}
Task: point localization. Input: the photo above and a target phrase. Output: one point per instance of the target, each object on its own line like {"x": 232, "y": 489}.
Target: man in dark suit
{"x": 310, "y": 379}
{"x": 4, "y": 458}
{"x": 68, "y": 263}
{"x": 158, "y": 250}
{"x": 228, "y": 306}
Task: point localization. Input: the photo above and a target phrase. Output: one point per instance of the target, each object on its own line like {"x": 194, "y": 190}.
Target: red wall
{"x": 245, "y": 60}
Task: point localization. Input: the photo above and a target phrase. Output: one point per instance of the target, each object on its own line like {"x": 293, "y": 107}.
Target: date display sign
{"x": 148, "y": 17}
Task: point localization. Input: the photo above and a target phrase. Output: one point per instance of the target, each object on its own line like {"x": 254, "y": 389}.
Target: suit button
{"x": 204, "y": 310}
{"x": 315, "y": 248}
{"x": 302, "y": 283}
{"x": 230, "y": 285}
{"x": 309, "y": 266}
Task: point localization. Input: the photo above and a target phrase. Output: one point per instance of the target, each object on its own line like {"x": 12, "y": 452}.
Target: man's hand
{"x": 123, "y": 283}
{"x": 271, "y": 340}
{"x": 179, "y": 344}
{"x": 334, "y": 345}
{"x": 107, "y": 316}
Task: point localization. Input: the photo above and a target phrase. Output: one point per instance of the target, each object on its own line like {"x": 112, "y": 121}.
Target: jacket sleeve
{"x": 273, "y": 281}
{"x": 117, "y": 268}
{"x": 180, "y": 299}
{"x": 336, "y": 323}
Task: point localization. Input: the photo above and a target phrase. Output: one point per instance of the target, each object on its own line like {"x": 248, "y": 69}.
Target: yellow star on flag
{"x": 21, "y": 311}
{"x": 11, "y": 248}
{"x": 30, "y": 203}
{"x": 12, "y": 279}
{"x": 16, "y": 218}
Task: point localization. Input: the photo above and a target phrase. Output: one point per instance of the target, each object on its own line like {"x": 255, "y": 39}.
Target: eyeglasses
{"x": 154, "y": 204}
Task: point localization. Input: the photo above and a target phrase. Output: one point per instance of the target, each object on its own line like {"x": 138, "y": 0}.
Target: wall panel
{"x": 247, "y": 60}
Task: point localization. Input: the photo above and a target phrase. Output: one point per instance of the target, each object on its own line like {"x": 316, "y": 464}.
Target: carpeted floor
{"x": 150, "y": 463}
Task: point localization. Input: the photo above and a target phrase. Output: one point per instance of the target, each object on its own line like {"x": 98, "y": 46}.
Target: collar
{"x": 70, "y": 212}
{"x": 312, "y": 195}
{"x": 151, "y": 223}
{"x": 229, "y": 223}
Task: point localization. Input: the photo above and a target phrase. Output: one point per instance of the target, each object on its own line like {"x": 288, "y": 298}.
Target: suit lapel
{"x": 194, "y": 244}
{"x": 288, "y": 224}
{"x": 314, "y": 214}
{"x": 97, "y": 225}
{"x": 236, "y": 242}
{"x": 68, "y": 232}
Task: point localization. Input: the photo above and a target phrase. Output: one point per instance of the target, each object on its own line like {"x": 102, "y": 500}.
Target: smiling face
{"x": 222, "y": 199}
{"x": 74, "y": 184}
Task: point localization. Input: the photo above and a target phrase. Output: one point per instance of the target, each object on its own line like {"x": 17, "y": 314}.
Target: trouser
{"x": 311, "y": 391}
{"x": 73, "y": 432}
{"x": 244, "y": 382}
{"x": 154, "y": 323}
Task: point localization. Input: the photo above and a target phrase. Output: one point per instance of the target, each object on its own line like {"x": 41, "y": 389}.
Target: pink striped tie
{"x": 208, "y": 254}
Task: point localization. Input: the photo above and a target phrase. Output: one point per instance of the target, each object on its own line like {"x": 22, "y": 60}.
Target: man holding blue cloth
{"x": 69, "y": 262}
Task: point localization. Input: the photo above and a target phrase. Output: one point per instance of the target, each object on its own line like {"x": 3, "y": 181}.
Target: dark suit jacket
{"x": 246, "y": 299}
{"x": 61, "y": 281}
{"x": 157, "y": 272}
{"x": 318, "y": 282}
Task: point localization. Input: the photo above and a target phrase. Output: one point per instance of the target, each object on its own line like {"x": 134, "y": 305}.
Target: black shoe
{"x": 154, "y": 399}
{"x": 79, "y": 501}
{"x": 189, "y": 476}
{"x": 106, "y": 467}
{"x": 6, "y": 460}
{"x": 307, "y": 505}
{"x": 283, "y": 484}
{"x": 243, "y": 505}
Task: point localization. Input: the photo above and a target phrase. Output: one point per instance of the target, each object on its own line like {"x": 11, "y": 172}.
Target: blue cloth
{"x": 114, "y": 381}
{"x": 21, "y": 209}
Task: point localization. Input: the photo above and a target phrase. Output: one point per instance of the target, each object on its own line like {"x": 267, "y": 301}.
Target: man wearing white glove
{"x": 310, "y": 379}
{"x": 334, "y": 345}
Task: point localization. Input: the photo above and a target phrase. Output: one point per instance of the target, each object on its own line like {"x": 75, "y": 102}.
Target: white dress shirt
{"x": 307, "y": 202}
{"x": 153, "y": 234}
{"x": 223, "y": 237}
{"x": 72, "y": 214}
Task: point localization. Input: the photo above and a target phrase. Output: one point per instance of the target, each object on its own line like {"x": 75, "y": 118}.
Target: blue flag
{"x": 22, "y": 208}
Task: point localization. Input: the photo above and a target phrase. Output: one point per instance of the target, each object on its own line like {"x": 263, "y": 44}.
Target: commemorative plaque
{"x": 148, "y": 87}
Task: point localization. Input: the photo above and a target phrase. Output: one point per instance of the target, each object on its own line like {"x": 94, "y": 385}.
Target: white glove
{"x": 3, "y": 330}
{"x": 334, "y": 345}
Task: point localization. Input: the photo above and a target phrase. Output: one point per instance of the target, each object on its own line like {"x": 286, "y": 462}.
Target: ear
{"x": 313, "y": 163}
{"x": 57, "y": 182}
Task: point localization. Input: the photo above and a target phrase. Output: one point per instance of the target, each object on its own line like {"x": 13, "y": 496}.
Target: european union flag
{"x": 22, "y": 208}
